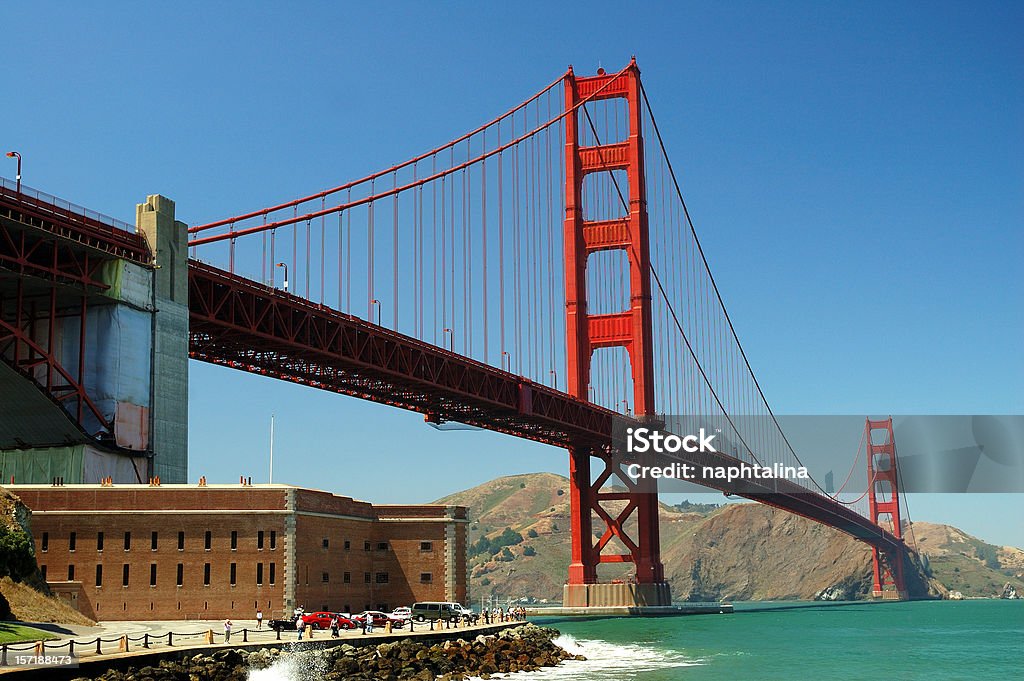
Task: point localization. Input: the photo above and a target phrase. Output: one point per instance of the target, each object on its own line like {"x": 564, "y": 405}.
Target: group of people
{"x": 491, "y": 615}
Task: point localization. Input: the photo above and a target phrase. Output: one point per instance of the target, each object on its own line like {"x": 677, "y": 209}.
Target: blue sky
{"x": 855, "y": 172}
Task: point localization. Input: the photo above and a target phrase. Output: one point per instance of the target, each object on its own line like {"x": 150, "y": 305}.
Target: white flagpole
{"x": 271, "y": 448}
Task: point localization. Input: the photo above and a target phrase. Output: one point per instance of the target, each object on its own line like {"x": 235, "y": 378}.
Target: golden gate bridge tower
{"x": 630, "y": 329}
{"x": 884, "y": 503}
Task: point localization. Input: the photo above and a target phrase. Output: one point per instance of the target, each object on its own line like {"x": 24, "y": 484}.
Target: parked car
{"x": 403, "y": 613}
{"x": 319, "y": 620}
{"x": 286, "y": 624}
{"x": 379, "y": 619}
{"x": 434, "y": 610}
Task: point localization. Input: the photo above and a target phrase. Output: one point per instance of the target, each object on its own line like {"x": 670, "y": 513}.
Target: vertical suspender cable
{"x": 483, "y": 240}
{"x": 394, "y": 251}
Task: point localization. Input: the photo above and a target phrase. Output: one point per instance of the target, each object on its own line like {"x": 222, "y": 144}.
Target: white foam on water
{"x": 608, "y": 660}
{"x": 308, "y": 665}
{"x": 620, "y": 661}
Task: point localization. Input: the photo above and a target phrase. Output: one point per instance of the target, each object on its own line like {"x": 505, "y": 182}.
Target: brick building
{"x": 216, "y": 551}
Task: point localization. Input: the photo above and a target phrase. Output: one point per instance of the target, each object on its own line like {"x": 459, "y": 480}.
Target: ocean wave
{"x": 607, "y": 660}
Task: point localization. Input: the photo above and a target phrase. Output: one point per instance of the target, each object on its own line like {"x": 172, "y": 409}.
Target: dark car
{"x": 287, "y": 624}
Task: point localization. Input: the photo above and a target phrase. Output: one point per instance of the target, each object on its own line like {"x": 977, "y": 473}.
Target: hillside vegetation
{"x": 23, "y": 592}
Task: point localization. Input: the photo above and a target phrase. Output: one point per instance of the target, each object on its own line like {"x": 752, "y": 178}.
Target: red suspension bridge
{"x": 539, "y": 276}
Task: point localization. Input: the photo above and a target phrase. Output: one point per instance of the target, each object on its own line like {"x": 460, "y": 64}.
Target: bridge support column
{"x": 884, "y": 503}
{"x": 168, "y": 240}
{"x": 630, "y": 329}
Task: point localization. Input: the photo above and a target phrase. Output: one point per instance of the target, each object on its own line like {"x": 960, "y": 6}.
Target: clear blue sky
{"x": 856, "y": 173}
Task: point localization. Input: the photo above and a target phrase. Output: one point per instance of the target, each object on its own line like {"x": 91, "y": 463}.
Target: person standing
{"x": 335, "y": 623}
{"x": 300, "y": 626}
{"x": 227, "y": 631}
{"x": 369, "y": 623}
{"x": 259, "y": 619}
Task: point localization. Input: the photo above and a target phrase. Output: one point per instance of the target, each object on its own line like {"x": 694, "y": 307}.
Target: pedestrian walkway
{"x": 120, "y": 638}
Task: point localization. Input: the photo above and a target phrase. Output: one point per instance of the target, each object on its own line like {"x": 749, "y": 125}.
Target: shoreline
{"x": 449, "y": 653}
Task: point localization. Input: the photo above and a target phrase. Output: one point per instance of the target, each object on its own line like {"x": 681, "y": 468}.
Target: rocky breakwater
{"x": 524, "y": 648}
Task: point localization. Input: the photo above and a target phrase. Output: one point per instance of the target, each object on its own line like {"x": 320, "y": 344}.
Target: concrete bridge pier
{"x": 93, "y": 344}
{"x": 168, "y": 240}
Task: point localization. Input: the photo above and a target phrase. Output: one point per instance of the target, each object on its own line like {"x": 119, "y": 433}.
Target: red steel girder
{"x": 240, "y": 323}
{"x": 47, "y": 257}
{"x": 73, "y": 227}
{"x": 25, "y": 353}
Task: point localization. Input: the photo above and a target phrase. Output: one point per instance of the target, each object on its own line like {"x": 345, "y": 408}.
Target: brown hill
{"x": 967, "y": 564}
{"x": 519, "y": 547}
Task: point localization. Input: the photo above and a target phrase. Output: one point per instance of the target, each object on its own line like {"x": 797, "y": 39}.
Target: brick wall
{"x": 402, "y": 551}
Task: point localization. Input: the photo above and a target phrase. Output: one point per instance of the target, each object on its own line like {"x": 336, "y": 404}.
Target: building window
{"x": 426, "y": 577}
{"x": 234, "y": 540}
{"x": 42, "y": 568}
{"x": 71, "y": 573}
{"x": 99, "y": 541}
{"x": 346, "y": 578}
{"x": 382, "y": 546}
{"x": 180, "y": 579}
{"x": 99, "y": 575}
{"x": 44, "y": 545}
{"x": 273, "y": 539}
{"x": 209, "y": 540}
{"x": 259, "y": 574}
{"x": 124, "y": 574}
{"x": 326, "y": 542}
{"x": 72, "y": 540}
{"x": 206, "y": 574}
{"x": 152, "y": 574}
{"x": 259, "y": 540}
{"x": 348, "y": 545}
{"x": 152, "y": 541}
{"x": 382, "y": 578}
{"x": 234, "y": 573}
{"x": 127, "y": 541}
{"x": 426, "y": 546}
{"x": 366, "y": 577}
{"x": 366, "y": 546}
{"x": 273, "y": 573}
{"x": 325, "y": 577}
{"x": 181, "y": 541}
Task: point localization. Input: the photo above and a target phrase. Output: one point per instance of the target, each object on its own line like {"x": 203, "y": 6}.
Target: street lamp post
{"x": 377, "y": 303}
{"x": 505, "y": 355}
{"x": 14, "y": 154}
{"x": 285, "y": 266}
{"x": 451, "y": 344}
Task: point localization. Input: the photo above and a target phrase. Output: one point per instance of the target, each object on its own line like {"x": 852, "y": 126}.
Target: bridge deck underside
{"x": 241, "y": 324}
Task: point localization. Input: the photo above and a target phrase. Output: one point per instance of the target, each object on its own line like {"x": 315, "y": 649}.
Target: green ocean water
{"x": 934, "y": 640}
